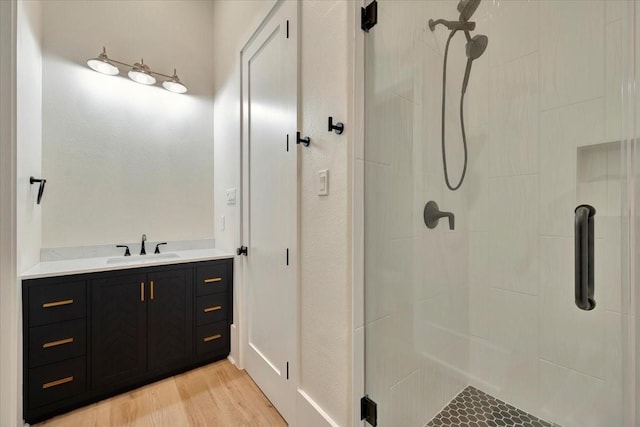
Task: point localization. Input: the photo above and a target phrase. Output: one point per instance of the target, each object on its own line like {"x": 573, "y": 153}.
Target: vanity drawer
{"x": 212, "y": 338}
{"x": 211, "y": 308}
{"x": 60, "y": 341}
{"x": 57, "y": 381}
{"x": 56, "y": 303}
{"x": 212, "y": 278}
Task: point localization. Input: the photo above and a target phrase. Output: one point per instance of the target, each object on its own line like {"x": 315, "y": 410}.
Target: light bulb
{"x": 174, "y": 84}
{"x": 141, "y": 74}
{"x": 102, "y": 64}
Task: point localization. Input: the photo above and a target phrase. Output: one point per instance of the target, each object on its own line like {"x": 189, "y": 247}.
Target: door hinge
{"x": 287, "y": 370}
{"x": 287, "y": 28}
{"x": 242, "y": 250}
{"x": 287, "y": 256}
{"x": 287, "y": 142}
{"x": 369, "y": 16}
{"x": 369, "y": 411}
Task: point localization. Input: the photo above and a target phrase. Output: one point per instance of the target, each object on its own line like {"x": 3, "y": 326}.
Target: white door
{"x": 269, "y": 91}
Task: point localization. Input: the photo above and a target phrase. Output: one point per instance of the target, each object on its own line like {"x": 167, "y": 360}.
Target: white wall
{"x": 29, "y": 131}
{"x": 122, "y": 159}
{"x": 10, "y": 385}
{"x": 325, "y": 288}
{"x": 325, "y": 282}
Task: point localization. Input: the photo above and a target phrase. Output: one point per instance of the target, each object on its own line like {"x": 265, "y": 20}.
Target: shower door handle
{"x": 584, "y": 257}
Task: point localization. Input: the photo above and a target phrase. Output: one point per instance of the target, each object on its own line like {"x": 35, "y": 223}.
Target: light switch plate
{"x": 223, "y": 223}
{"x": 323, "y": 178}
{"x": 231, "y": 196}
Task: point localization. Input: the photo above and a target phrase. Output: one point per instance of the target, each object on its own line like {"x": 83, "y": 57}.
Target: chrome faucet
{"x": 142, "y": 250}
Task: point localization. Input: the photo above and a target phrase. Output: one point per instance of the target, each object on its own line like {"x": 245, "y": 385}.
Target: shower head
{"x": 467, "y": 9}
{"x": 475, "y": 48}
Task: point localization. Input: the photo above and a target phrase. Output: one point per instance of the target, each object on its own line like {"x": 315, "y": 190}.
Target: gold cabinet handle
{"x": 57, "y": 382}
{"x": 212, "y": 337}
{"x": 57, "y": 303}
{"x": 142, "y": 291}
{"x": 213, "y": 279}
{"x": 57, "y": 343}
{"x": 151, "y": 284}
{"x": 210, "y": 309}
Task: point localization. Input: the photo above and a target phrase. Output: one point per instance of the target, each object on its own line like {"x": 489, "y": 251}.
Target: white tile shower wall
{"x": 513, "y": 112}
{"x": 571, "y": 51}
{"x": 563, "y": 130}
{"x": 566, "y": 349}
{"x": 492, "y": 303}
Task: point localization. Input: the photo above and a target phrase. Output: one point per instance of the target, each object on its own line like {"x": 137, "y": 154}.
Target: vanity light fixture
{"x": 139, "y": 73}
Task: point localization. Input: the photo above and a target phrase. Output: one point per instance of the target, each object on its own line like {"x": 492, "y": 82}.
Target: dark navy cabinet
{"x": 91, "y": 336}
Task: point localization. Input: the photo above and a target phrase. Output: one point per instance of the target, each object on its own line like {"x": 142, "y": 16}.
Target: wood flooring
{"x": 217, "y": 394}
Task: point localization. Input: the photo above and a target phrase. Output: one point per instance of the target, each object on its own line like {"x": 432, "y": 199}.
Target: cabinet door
{"x": 119, "y": 327}
{"x": 170, "y": 317}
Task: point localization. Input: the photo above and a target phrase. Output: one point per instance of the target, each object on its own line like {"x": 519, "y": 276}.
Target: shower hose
{"x": 464, "y": 136}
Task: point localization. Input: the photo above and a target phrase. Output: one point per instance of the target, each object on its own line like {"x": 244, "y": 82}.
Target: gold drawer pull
{"x": 57, "y": 303}
{"x": 152, "y": 292}
{"x": 212, "y": 280}
{"x": 57, "y": 382}
{"x": 212, "y": 337}
{"x": 56, "y": 343}
{"x": 142, "y": 291}
{"x": 210, "y": 309}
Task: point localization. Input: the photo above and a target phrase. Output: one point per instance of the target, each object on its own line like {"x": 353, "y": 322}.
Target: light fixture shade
{"x": 102, "y": 64}
{"x": 141, "y": 74}
{"x": 174, "y": 84}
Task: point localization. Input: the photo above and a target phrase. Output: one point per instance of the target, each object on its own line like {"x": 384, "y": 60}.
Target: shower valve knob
{"x": 432, "y": 215}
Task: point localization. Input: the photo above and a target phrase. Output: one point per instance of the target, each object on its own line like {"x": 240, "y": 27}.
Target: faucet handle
{"x": 157, "y": 251}
{"x": 127, "y": 252}
{"x": 432, "y": 215}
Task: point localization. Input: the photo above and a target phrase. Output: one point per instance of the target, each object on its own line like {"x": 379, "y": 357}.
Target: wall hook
{"x": 304, "y": 141}
{"x": 42, "y": 182}
{"x": 338, "y": 127}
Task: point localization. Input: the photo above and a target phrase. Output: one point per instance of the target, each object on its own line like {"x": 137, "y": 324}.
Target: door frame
{"x": 294, "y": 366}
{"x": 10, "y": 339}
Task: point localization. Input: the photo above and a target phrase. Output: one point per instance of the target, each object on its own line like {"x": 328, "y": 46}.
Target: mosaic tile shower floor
{"x": 475, "y": 408}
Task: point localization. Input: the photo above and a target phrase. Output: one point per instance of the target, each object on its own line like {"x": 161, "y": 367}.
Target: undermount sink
{"x": 133, "y": 259}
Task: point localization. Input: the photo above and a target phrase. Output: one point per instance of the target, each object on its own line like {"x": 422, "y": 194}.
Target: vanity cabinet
{"x": 55, "y": 341}
{"x": 141, "y": 324}
{"x": 94, "y": 335}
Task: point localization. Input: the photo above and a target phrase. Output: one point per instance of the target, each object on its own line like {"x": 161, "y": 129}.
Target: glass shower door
{"x": 472, "y": 317}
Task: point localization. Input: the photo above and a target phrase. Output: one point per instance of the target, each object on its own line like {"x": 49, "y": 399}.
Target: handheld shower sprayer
{"x": 475, "y": 47}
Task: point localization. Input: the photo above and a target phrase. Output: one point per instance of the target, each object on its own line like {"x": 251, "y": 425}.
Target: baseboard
{"x": 309, "y": 413}
{"x": 232, "y": 360}
{"x": 234, "y": 353}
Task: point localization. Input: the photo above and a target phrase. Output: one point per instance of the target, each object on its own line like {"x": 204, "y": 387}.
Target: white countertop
{"x": 92, "y": 265}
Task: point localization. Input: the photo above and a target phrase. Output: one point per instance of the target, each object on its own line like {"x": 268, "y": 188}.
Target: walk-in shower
{"x": 474, "y": 48}
{"x": 491, "y": 318}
